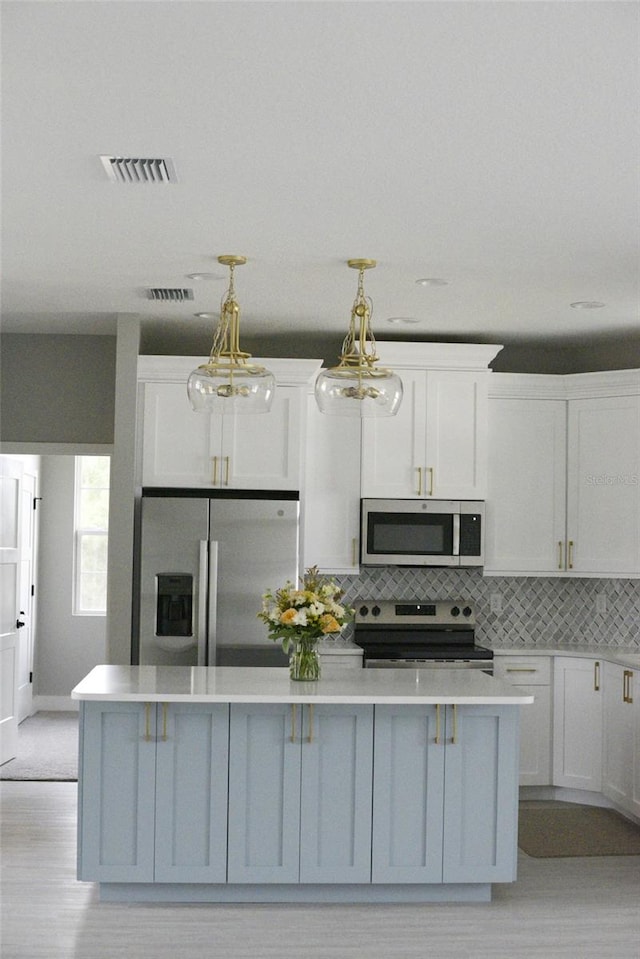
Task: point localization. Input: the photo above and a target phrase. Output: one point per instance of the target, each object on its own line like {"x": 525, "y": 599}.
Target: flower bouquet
{"x": 300, "y": 616}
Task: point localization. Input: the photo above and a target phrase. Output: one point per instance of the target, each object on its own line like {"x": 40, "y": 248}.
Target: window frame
{"x": 81, "y": 534}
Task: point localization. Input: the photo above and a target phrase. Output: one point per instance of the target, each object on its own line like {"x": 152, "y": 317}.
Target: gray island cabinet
{"x": 223, "y": 784}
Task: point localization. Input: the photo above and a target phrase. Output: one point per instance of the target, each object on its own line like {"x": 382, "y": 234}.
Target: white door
{"x": 10, "y": 482}
{"x": 26, "y": 590}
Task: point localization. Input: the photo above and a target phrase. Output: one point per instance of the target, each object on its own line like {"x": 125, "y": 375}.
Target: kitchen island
{"x": 203, "y": 784}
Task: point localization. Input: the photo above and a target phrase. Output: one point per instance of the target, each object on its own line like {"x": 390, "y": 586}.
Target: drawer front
{"x": 523, "y": 670}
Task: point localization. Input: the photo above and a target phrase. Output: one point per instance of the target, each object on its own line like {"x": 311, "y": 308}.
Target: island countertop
{"x": 234, "y": 684}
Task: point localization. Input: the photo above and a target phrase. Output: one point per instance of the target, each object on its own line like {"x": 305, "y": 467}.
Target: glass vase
{"x": 304, "y": 661}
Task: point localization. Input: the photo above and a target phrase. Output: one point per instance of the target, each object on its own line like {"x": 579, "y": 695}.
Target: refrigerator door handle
{"x": 212, "y": 642}
{"x": 203, "y": 581}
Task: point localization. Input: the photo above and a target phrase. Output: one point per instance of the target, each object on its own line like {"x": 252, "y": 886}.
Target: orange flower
{"x": 329, "y": 624}
{"x": 289, "y": 617}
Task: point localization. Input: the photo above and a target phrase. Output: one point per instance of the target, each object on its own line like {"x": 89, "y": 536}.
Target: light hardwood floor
{"x": 569, "y": 908}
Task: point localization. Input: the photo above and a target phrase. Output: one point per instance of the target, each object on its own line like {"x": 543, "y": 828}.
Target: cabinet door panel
{"x": 176, "y": 444}
{"x": 481, "y": 794}
{"x": 408, "y": 794}
{"x": 261, "y": 451}
{"x": 331, "y": 497}
{"x": 264, "y": 794}
{"x": 191, "y": 795}
{"x": 393, "y": 447}
{"x": 525, "y": 509}
{"x": 337, "y": 760}
{"x": 577, "y": 735}
{"x": 456, "y": 433}
{"x": 603, "y": 493}
{"x": 116, "y": 821}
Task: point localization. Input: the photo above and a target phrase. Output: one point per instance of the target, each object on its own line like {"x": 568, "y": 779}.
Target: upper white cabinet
{"x": 603, "y": 485}
{"x": 436, "y": 444}
{"x": 331, "y": 492}
{"x": 563, "y": 494}
{"x": 180, "y": 448}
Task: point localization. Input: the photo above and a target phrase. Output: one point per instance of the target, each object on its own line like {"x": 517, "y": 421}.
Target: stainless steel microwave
{"x": 417, "y": 532}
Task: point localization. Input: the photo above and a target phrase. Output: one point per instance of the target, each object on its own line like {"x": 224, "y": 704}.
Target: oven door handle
{"x": 456, "y": 534}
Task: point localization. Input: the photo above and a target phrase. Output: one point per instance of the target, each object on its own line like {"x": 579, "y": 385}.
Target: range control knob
{"x": 467, "y": 611}
{"x": 376, "y": 610}
{"x": 455, "y": 610}
{"x": 364, "y": 610}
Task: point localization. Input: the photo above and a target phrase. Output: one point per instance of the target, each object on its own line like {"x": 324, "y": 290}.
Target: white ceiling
{"x": 493, "y": 145}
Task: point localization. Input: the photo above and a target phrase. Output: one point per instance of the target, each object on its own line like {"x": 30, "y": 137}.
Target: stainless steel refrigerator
{"x": 203, "y": 560}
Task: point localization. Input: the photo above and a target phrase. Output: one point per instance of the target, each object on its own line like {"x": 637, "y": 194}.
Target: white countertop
{"x": 622, "y": 655}
{"x": 234, "y": 684}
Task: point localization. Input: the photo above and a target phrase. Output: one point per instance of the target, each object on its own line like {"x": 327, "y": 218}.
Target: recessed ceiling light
{"x": 207, "y": 316}
{"x": 587, "y": 305}
{"x": 402, "y": 319}
{"x": 431, "y": 281}
{"x": 205, "y": 276}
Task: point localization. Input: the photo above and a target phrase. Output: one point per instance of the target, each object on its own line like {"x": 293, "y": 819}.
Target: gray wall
{"x": 67, "y": 646}
{"x": 57, "y": 389}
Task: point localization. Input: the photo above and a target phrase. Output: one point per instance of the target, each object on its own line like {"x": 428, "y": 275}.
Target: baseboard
{"x": 55, "y": 703}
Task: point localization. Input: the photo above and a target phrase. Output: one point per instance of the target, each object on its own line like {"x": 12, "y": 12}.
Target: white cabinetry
{"x": 331, "y": 492}
{"x": 436, "y": 444}
{"x": 621, "y": 755}
{"x": 531, "y": 675}
{"x": 180, "y": 448}
{"x": 563, "y": 494}
{"x": 603, "y": 485}
{"x": 577, "y": 734}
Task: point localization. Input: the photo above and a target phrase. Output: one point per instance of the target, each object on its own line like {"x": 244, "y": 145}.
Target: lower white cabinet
{"x": 531, "y": 675}
{"x": 577, "y": 734}
{"x": 300, "y": 793}
{"x": 445, "y": 794}
{"x": 153, "y": 792}
{"x": 621, "y": 753}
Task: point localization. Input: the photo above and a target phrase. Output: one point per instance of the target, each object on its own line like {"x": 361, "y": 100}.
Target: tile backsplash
{"x": 535, "y": 611}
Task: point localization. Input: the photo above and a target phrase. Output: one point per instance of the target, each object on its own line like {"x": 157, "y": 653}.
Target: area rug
{"x": 559, "y": 829}
{"x": 47, "y": 748}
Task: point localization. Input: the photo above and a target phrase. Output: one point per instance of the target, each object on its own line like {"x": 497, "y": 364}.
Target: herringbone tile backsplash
{"x": 535, "y": 611}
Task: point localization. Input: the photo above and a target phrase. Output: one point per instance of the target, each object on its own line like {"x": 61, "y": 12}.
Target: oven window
{"x": 410, "y": 534}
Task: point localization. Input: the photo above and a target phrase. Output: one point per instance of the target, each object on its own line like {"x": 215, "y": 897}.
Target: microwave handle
{"x": 456, "y": 534}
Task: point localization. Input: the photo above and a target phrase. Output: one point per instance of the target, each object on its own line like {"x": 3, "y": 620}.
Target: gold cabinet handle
{"x": 431, "y": 471}
{"x": 521, "y": 669}
{"x": 454, "y": 737}
{"x": 559, "y": 554}
{"x": 293, "y": 723}
{"x": 627, "y": 676}
{"x": 164, "y": 722}
{"x": 310, "y": 736}
{"x": 630, "y": 687}
{"x": 147, "y": 722}
{"x": 596, "y": 676}
{"x": 419, "y": 472}
{"x": 437, "y": 739}
{"x": 570, "y": 555}
{"x": 214, "y": 479}
{"x": 226, "y": 471}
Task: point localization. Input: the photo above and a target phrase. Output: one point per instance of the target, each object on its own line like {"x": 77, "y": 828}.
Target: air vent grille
{"x": 139, "y": 169}
{"x": 169, "y": 294}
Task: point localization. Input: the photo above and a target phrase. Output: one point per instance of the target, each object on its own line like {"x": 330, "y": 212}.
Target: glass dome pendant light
{"x": 356, "y": 387}
{"x": 227, "y": 382}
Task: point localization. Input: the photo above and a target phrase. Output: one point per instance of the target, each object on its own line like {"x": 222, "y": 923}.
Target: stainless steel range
{"x": 399, "y": 634}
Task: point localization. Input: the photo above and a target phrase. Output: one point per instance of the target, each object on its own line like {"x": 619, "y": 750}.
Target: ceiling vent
{"x": 139, "y": 170}
{"x": 169, "y": 294}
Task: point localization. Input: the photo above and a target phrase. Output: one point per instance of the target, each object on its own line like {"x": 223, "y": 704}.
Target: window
{"x": 91, "y": 535}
